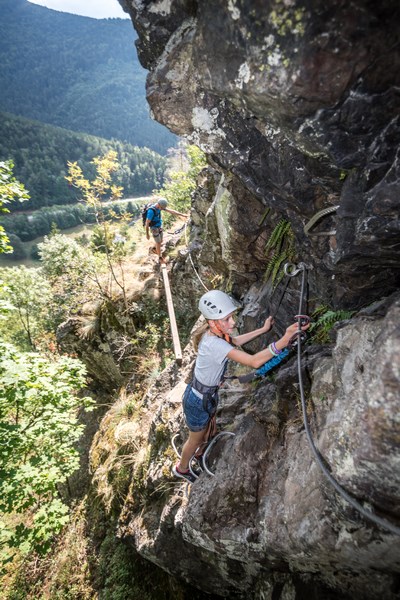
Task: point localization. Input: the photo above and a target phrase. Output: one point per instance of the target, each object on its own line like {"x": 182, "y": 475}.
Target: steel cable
{"x": 191, "y": 260}
{"x": 367, "y": 514}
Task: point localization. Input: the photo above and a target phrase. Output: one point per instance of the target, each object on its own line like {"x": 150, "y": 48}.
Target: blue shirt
{"x": 154, "y": 215}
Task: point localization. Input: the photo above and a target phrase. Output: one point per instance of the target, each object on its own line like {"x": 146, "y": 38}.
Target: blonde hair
{"x": 198, "y": 334}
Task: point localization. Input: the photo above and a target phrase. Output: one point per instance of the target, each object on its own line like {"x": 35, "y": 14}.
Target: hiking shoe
{"x": 183, "y": 474}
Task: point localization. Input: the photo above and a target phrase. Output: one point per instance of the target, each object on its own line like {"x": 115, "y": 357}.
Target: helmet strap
{"x": 216, "y": 330}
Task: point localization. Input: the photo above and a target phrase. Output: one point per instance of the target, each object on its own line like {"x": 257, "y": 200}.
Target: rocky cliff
{"x": 297, "y": 107}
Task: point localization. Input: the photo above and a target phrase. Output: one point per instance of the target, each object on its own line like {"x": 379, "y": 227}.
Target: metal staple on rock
{"x": 317, "y": 217}
{"x": 210, "y": 445}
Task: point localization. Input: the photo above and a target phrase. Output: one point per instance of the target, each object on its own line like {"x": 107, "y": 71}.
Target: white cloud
{"x": 98, "y": 9}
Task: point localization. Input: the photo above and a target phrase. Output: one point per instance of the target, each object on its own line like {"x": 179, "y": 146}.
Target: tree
{"x": 101, "y": 240}
{"x": 71, "y": 268}
{"x": 93, "y": 193}
{"x": 38, "y": 430}
{"x": 182, "y": 182}
{"x": 10, "y": 189}
{"x": 19, "y": 252}
{"x": 29, "y": 293}
{"x": 60, "y": 255}
{"x": 5, "y": 306}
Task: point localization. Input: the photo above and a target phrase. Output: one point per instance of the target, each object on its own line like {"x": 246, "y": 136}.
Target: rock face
{"x": 300, "y": 102}
{"x": 268, "y": 524}
{"x": 297, "y": 107}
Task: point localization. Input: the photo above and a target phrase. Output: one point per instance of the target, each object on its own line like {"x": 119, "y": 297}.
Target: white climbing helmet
{"x": 162, "y": 202}
{"x": 216, "y": 305}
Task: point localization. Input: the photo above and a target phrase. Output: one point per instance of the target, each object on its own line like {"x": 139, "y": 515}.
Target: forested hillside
{"x": 40, "y": 154}
{"x": 75, "y": 72}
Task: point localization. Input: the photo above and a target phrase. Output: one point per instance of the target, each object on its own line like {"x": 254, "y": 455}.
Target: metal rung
{"x": 210, "y": 445}
{"x": 317, "y": 217}
{"x": 173, "y": 445}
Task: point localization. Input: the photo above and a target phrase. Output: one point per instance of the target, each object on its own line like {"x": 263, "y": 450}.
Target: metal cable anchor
{"x": 291, "y": 269}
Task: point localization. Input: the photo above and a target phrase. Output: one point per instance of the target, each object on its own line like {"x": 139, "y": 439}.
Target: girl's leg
{"x": 189, "y": 448}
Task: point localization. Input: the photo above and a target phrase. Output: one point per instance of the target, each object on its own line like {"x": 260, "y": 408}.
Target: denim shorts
{"x": 195, "y": 415}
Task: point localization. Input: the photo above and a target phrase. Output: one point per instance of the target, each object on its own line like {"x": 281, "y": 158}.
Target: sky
{"x": 98, "y": 9}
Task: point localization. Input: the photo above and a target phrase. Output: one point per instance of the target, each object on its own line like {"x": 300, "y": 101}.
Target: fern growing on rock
{"x": 280, "y": 248}
{"x": 324, "y": 320}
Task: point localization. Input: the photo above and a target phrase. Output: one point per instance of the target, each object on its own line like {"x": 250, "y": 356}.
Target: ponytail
{"x": 198, "y": 334}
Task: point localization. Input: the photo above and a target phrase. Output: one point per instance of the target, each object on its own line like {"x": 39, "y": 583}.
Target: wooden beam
{"x": 171, "y": 313}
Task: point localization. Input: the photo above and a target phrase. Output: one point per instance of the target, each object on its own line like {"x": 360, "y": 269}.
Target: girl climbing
{"x": 215, "y": 346}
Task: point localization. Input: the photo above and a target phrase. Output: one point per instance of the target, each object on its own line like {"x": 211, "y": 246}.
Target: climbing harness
{"x": 209, "y": 394}
{"x": 318, "y": 457}
{"x": 317, "y": 217}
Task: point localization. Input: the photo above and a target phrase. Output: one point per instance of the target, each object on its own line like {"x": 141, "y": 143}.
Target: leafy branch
{"x": 38, "y": 432}
{"x": 10, "y": 189}
{"x": 182, "y": 182}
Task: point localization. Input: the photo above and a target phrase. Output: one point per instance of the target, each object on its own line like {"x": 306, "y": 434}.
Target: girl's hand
{"x": 291, "y": 330}
{"x": 268, "y": 324}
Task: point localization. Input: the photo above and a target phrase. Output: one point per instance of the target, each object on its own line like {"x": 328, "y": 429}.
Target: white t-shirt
{"x": 211, "y": 359}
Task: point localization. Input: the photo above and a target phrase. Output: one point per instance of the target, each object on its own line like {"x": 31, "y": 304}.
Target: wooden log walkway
{"x": 171, "y": 313}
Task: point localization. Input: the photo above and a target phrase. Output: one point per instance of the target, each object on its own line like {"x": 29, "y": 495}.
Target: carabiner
{"x": 294, "y": 340}
{"x": 304, "y": 319}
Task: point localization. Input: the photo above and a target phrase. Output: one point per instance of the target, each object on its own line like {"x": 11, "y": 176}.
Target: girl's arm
{"x": 239, "y": 340}
{"x": 256, "y": 360}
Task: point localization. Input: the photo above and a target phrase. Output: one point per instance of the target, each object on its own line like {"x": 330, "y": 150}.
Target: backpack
{"x": 146, "y": 207}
